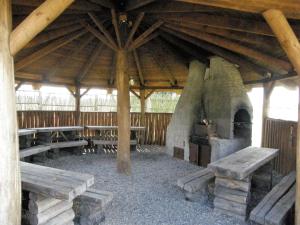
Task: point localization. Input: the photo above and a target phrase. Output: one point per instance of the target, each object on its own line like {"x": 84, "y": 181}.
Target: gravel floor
{"x": 149, "y": 195}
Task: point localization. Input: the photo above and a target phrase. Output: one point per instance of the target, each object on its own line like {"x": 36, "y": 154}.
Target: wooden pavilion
{"x": 106, "y": 43}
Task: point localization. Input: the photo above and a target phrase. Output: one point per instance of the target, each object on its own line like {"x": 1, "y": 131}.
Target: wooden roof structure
{"x": 161, "y": 36}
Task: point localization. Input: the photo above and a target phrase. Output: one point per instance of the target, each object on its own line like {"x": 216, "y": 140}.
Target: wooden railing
{"x": 282, "y": 135}
{"x": 155, "y": 123}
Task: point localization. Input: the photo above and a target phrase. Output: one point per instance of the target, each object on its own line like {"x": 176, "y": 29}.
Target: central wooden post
{"x": 143, "y": 105}
{"x": 10, "y": 184}
{"x": 123, "y": 114}
{"x": 291, "y": 46}
{"x": 77, "y": 105}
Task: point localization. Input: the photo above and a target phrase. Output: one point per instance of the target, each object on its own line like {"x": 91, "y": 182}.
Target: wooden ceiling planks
{"x": 191, "y": 28}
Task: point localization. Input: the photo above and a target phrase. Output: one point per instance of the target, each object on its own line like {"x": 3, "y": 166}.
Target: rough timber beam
{"x": 134, "y": 4}
{"x": 291, "y": 46}
{"x": 276, "y": 63}
{"x": 98, "y": 35}
{"x": 37, "y": 21}
{"x": 224, "y": 22}
{"x": 219, "y": 51}
{"x": 104, "y": 3}
{"x": 116, "y": 26}
{"x": 47, "y": 49}
{"x": 134, "y": 28}
{"x": 144, "y": 35}
{"x": 291, "y": 8}
{"x": 103, "y": 30}
{"x": 53, "y": 34}
{"x": 89, "y": 63}
{"x": 139, "y": 68}
{"x": 10, "y": 181}
{"x": 77, "y": 5}
{"x": 113, "y": 70}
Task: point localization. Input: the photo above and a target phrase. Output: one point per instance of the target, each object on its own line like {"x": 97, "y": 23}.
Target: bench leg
{"x": 199, "y": 196}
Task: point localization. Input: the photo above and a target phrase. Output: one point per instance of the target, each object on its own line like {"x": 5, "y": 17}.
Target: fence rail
{"x": 155, "y": 123}
{"x": 282, "y": 135}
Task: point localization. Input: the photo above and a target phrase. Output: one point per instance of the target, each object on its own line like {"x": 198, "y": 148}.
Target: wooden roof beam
{"x": 50, "y": 35}
{"x": 89, "y": 63}
{"x": 273, "y": 62}
{"x": 139, "y": 68}
{"x": 290, "y": 8}
{"x": 103, "y": 30}
{"x": 134, "y": 93}
{"x": 77, "y": 5}
{"x": 220, "y": 21}
{"x": 37, "y": 21}
{"x": 104, "y": 3}
{"x": 220, "y": 52}
{"x": 134, "y": 28}
{"x": 144, "y": 35}
{"x": 98, "y": 35}
{"x": 47, "y": 49}
{"x": 146, "y": 40}
{"x": 116, "y": 26}
{"x": 135, "y": 4}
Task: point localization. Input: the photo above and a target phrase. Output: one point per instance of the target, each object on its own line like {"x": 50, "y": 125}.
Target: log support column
{"x": 10, "y": 184}
{"x": 143, "y": 105}
{"x": 291, "y": 46}
{"x": 123, "y": 114}
{"x": 77, "y": 105}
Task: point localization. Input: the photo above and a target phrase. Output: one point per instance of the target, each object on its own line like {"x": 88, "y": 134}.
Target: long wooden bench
{"x": 273, "y": 209}
{"x": 34, "y": 150}
{"x": 195, "y": 182}
{"x": 68, "y": 144}
{"x": 51, "y": 193}
{"x": 90, "y": 206}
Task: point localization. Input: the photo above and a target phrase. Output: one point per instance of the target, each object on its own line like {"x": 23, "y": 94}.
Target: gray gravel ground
{"x": 150, "y": 195}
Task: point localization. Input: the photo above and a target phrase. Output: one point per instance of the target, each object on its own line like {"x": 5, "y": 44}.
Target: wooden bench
{"x": 90, "y": 206}
{"x": 196, "y": 182}
{"x": 273, "y": 209}
{"x": 51, "y": 193}
{"x": 34, "y": 150}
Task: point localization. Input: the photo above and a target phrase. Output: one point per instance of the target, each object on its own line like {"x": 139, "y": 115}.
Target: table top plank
{"x": 56, "y": 183}
{"x": 113, "y": 128}
{"x": 57, "y": 129}
{"x": 241, "y": 164}
{"x": 24, "y": 132}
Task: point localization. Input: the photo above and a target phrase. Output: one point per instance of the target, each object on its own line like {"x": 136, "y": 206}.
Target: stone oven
{"x": 222, "y": 102}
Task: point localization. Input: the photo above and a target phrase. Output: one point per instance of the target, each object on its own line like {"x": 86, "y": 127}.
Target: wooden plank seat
{"x": 273, "y": 209}
{"x": 51, "y": 193}
{"x": 111, "y": 142}
{"x": 196, "y": 182}
{"x": 68, "y": 144}
{"x": 34, "y": 150}
{"x": 90, "y": 206}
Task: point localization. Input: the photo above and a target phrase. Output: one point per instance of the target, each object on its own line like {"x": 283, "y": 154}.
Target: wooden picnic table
{"x": 25, "y": 132}
{"x": 107, "y": 136}
{"x": 58, "y": 129}
{"x": 233, "y": 179}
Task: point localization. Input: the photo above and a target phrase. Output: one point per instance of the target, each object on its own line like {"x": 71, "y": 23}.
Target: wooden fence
{"x": 282, "y": 135}
{"x": 155, "y": 123}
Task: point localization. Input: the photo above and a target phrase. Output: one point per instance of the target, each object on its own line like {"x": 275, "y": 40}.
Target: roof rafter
{"x": 139, "y": 67}
{"x": 103, "y": 29}
{"x": 134, "y": 4}
{"x": 134, "y": 28}
{"x": 116, "y": 26}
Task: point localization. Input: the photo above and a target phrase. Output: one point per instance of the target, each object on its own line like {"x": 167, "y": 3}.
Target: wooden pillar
{"x": 268, "y": 88}
{"x": 123, "y": 113}
{"x": 291, "y": 46}
{"x": 77, "y": 105}
{"x": 10, "y": 184}
{"x": 143, "y": 105}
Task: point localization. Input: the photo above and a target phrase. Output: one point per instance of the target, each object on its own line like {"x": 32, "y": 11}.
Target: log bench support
{"x": 195, "y": 185}
{"x": 46, "y": 210}
{"x": 90, "y": 206}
